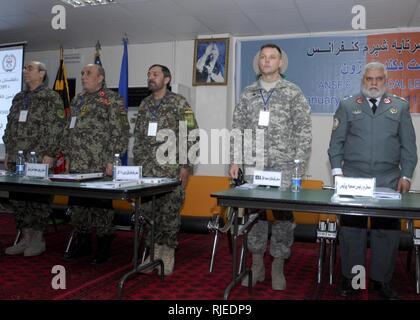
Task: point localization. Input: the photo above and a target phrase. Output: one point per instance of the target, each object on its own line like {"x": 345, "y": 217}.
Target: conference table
{"x": 83, "y": 192}
{"x": 311, "y": 200}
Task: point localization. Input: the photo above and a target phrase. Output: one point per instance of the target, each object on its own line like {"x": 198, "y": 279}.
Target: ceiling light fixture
{"x": 83, "y": 3}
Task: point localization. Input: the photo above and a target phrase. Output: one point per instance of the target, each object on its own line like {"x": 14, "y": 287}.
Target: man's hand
{"x": 233, "y": 172}
{"x": 184, "y": 173}
{"x": 403, "y": 185}
{"x": 48, "y": 160}
{"x": 108, "y": 169}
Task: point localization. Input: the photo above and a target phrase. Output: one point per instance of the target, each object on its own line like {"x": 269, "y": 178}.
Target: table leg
{"x": 416, "y": 250}
{"x": 237, "y": 276}
{"x": 332, "y": 259}
{"x": 137, "y": 268}
{"x": 321, "y": 258}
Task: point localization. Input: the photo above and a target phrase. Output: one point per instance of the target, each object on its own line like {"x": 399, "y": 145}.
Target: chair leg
{"x": 18, "y": 234}
{"x": 230, "y": 241}
{"x": 69, "y": 242}
{"x": 241, "y": 260}
{"x": 144, "y": 255}
{"x": 213, "y": 252}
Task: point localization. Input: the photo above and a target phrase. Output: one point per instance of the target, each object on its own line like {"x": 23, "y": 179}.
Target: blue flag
{"x": 123, "y": 87}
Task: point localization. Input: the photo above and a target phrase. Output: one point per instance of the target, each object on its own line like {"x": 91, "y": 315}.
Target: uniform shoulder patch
{"x": 60, "y": 113}
{"x": 189, "y": 117}
{"x": 398, "y": 97}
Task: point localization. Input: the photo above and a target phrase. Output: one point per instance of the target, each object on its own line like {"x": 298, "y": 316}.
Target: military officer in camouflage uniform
{"x": 35, "y": 123}
{"x": 372, "y": 136}
{"x": 163, "y": 110}
{"x": 96, "y": 130}
{"x": 278, "y": 108}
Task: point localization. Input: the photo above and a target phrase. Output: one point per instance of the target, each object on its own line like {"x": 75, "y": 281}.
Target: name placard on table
{"x": 36, "y": 170}
{"x": 128, "y": 172}
{"x": 347, "y": 186}
{"x": 267, "y": 178}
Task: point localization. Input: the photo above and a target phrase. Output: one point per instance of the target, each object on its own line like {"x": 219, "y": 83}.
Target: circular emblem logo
{"x": 393, "y": 110}
{"x": 387, "y": 100}
{"x": 359, "y": 100}
{"x": 9, "y": 62}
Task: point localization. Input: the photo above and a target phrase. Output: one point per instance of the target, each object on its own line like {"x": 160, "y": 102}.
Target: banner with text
{"x": 329, "y": 68}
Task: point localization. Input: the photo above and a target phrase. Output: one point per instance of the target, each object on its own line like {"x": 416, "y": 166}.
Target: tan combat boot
{"x": 278, "y": 281}
{"x": 36, "y": 245}
{"x": 158, "y": 255}
{"x": 20, "y": 247}
{"x": 257, "y": 268}
{"x": 168, "y": 258}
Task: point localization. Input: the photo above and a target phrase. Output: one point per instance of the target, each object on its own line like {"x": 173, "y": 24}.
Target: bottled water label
{"x": 296, "y": 184}
{"x": 20, "y": 168}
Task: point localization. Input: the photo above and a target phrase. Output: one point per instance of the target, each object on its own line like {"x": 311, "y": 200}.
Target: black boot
{"x": 80, "y": 246}
{"x": 102, "y": 252}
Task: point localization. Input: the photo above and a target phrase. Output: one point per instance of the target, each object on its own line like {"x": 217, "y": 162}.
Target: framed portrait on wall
{"x": 211, "y": 61}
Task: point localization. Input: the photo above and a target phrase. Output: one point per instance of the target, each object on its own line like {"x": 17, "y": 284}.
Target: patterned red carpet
{"x": 30, "y": 278}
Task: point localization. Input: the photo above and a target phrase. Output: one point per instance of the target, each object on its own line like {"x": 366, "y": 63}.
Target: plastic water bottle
{"x": 297, "y": 176}
{"x": 32, "y": 157}
{"x": 20, "y": 163}
{"x": 117, "y": 162}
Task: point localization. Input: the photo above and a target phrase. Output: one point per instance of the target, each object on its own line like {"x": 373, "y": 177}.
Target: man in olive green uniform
{"x": 35, "y": 123}
{"x": 279, "y": 109}
{"x": 96, "y": 130}
{"x": 163, "y": 111}
{"x": 373, "y": 136}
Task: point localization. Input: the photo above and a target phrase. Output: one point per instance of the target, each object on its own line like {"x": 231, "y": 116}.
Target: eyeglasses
{"x": 376, "y": 79}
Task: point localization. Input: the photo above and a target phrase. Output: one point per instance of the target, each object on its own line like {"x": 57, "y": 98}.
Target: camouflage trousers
{"x": 83, "y": 219}
{"x": 30, "y": 214}
{"x": 167, "y": 217}
{"x": 281, "y": 235}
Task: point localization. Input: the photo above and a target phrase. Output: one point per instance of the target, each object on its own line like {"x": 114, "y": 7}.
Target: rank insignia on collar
{"x": 387, "y": 100}
{"x": 359, "y": 100}
{"x": 336, "y": 123}
{"x": 393, "y": 110}
{"x": 357, "y": 111}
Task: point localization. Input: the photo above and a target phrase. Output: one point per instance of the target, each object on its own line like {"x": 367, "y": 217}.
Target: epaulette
{"x": 401, "y": 98}
{"x": 347, "y": 97}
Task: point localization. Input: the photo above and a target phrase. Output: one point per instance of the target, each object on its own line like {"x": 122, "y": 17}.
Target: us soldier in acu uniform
{"x": 161, "y": 111}
{"x": 35, "y": 123}
{"x": 279, "y": 108}
{"x": 372, "y": 136}
{"x": 96, "y": 130}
